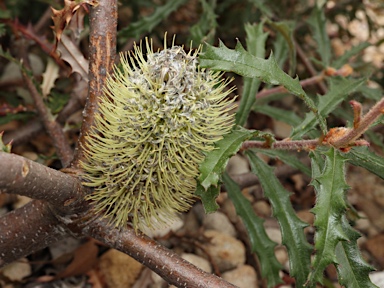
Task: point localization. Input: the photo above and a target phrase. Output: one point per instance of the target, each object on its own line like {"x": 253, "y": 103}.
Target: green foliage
{"x": 285, "y": 28}
{"x": 348, "y": 54}
{"x": 330, "y": 207}
{"x": 279, "y": 29}
{"x": 24, "y": 116}
{"x": 362, "y": 157}
{"x": 335, "y": 239}
{"x": 352, "y": 269}
{"x": 340, "y": 88}
{"x": 285, "y": 116}
{"x": 208, "y": 197}
{"x": 216, "y": 161}
{"x": 255, "y": 40}
{"x": 288, "y": 158}
{"x": 291, "y": 226}
{"x": 147, "y": 24}
{"x": 56, "y": 101}
{"x": 260, "y": 242}
{"x": 245, "y": 64}
{"x": 317, "y": 22}
{"x": 331, "y": 225}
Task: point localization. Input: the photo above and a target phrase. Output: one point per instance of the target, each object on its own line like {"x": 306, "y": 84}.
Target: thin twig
{"x": 25, "y": 177}
{"x": 346, "y": 140}
{"x": 54, "y": 130}
{"x": 282, "y": 145}
{"x": 29, "y": 33}
{"x": 102, "y": 38}
{"x": 37, "y": 225}
{"x": 164, "y": 262}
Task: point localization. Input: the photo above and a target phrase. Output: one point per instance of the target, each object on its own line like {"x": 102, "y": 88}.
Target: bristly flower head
{"x": 157, "y": 119}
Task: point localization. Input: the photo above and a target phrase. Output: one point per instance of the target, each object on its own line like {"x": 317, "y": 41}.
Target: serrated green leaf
{"x": 208, "y": 197}
{"x": 245, "y": 64}
{"x": 216, "y": 160}
{"x": 340, "y": 88}
{"x": 318, "y": 22}
{"x": 285, "y": 28}
{"x": 146, "y": 24}
{"x": 299, "y": 250}
{"x": 352, "y": 270}
{"x": 361, "y": 156}
{"x": 256, "y": 46}
{"x": 343, "y": 59}
{"x": 330, "y": 207}
{"x": 261, "y": 244}
{"x": 204, "y": 30}
{"x": 287, "y": 158}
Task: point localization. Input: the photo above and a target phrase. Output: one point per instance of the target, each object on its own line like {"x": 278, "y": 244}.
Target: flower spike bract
{"x": 158, "y": 117}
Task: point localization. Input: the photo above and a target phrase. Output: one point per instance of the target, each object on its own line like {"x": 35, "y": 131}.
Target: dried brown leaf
{"x": 71, "y": 54}
{"x": 85, "y": 257}
{"x": 61, "y": 18}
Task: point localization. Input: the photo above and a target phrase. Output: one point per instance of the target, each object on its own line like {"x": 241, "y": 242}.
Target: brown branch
{"x": 47, "y": 47}
{"x": 282, "y": 145}
{"x": 25, "y": 177}
{"x": 362, "y": 125}
{"x": 37, "y": 225}
{"x": 26, "y": 230}
{"x": 164, "y": 262}
{"x": 102, "y": 51}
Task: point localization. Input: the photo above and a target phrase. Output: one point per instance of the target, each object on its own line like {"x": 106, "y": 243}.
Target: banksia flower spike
{"x": 157, "y": 119}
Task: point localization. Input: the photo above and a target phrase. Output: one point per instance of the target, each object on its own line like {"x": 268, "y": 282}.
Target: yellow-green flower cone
{"x": 156, "y": 120}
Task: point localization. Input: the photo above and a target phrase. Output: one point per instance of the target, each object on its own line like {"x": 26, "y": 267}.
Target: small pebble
{"x": 281, "y": 255}
{"x": 363, "y": 223}
{"x": 17, "y": 271}
{"x": 262, "y": 208}
{"x": 377, "y": 278}
{"x": 243, "y": 276}
{"x": 226, "y": 251}
{"x": 230, "y": 211}
{"x": 274, "y": 234}
{"x": 118, "y": 269}
{"x": 219, "y": 222}
{"x": 174, "y": 225}
{"x": 198, "y": 261}
{"x": 237, "y": 165}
